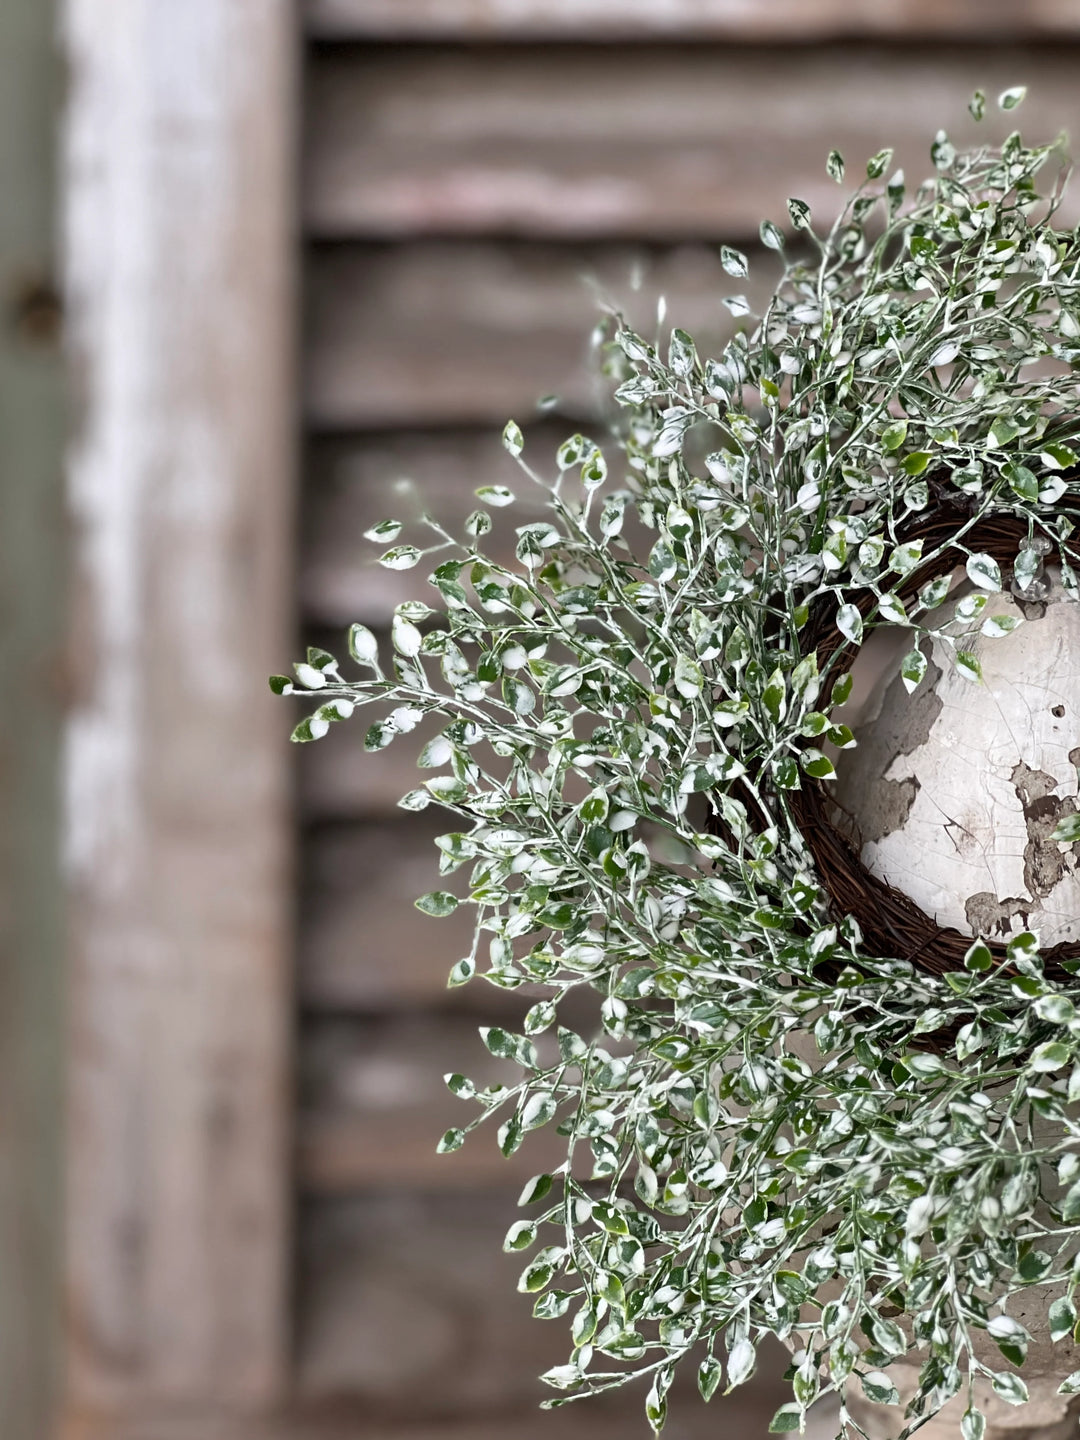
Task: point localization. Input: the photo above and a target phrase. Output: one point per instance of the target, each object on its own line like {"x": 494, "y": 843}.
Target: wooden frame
{"x": 31, "y": 646}
{"x": 180, "y": 267}
{"x": 783, "y": 21}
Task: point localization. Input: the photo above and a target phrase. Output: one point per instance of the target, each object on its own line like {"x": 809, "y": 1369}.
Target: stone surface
{"x": 956, "y": 788}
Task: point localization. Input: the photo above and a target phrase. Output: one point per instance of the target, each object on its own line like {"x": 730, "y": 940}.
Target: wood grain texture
{"x": 744, "y": 1416}
{"x": 179, "y": 155}
{"x": 781, "y": 21}
{"x": 431, "y": 333}
{"x": 32, "y": 555}
{"x": 664, "y": 143}
{"x": 374, "y": 1104}
{"x": 363, "y": 944}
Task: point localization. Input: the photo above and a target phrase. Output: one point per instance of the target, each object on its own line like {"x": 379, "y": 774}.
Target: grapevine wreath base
{"x": 800, "y": 1109}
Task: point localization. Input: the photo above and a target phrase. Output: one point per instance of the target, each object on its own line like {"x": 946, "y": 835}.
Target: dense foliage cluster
{"x": 768, "y": 1129}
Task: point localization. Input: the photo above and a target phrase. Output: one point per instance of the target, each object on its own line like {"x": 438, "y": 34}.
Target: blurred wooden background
{"x": 456, "y": 189}
{"x": 260, "y": 1243}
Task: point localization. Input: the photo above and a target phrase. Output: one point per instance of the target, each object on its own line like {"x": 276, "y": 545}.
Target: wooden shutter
{"x": 179, "y": 223}
{"x": 464, "y": 165}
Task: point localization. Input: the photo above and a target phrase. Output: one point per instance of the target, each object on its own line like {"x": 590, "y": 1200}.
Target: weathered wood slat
{"x": 744, "y": 1415}
{"x": 354, "y": 483}
{"x": 665, "y": 143}
{"x": 432, "y": 334}
{"x": 374, "y": 1103}
{"x": 363, "y": 944}
{"x": 32, "y": 625}
{"x": 781, "y": 21}
{"x": 179, "y": 238}
{"x": 407, "y": 1302}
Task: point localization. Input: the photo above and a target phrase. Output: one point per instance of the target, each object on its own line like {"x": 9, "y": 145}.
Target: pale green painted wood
{"x": 31, "y": 667}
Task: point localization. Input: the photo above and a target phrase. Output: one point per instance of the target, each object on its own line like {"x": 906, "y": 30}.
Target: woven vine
{"x": 775, "y": 1123}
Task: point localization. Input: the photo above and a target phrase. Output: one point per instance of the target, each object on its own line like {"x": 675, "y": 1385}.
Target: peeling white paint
{"x": 979, "y": 822}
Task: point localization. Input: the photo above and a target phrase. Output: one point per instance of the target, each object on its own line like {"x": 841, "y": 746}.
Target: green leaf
{"x": 787, "y": 1420}
{"x": 384, "y": 531}
{"x": 314, "y": 727}
{"x": 741, "y": 1363}
{"x": 535, "y": 1189}
{"x": 917, "y": 461}
{"x": 733, "y": 261}
{"x": 512, "y": 438}
{"x": 894, "y": 435}
{"x": 689, "y": 677}
{"x": 786, "y": 773}
{"x": 1011, "y": 98}
{"x": 709, "y": 1372}
{"x": 452, "y": 1140}
{"x": 1070, "y": 1385}
{"x": 461, "y": 973}
{"x": 968, "y": 666}
{"x": 1062, "y": 1317}
{"x": 520, "y": 1236}
{"x": 850, "y": 623}
{"x": 1024, "y": 946}
{"x": 772, "y": 237}
{"x": 1067, "y": 830}
{"x": 979, "y": 957}
{"x": 1050, "y": 1056}
{"x": 913, "y": 669}
{"x": 834, "y": 166}
{"x": 878, "y": 164}
{"x": 437, "y": 903}
{"x": 995, "y": 626}
{"x": 878, "y": 1388}
{"x": 774, "y": 695}
{"x": 1058, "y": 1009}
{"x": 1003, "y": 430}
{"x": 888, "y": 1337}
{"x": 1023, "y": 481}
{"x": 800, "y": 214}
{"x": 1010, "y": 1387}
{"x": 400, "y": 557}
{"x": 655, "y": 1409}
{"x": 1058, "y": 457}
{"x": 497, "y": 495}
{"x": 984, "y": 571}
{"x": 817, "y": 765}
{"x": 942, "y": 151}
{"x": 973, "y": 1422}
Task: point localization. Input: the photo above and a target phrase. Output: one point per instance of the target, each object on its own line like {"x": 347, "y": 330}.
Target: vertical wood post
{"x": 179, "y": 230}
{"x": 31, "y": 645}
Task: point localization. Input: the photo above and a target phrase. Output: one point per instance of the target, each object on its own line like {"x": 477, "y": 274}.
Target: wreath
{"x": 792, "y": 1104}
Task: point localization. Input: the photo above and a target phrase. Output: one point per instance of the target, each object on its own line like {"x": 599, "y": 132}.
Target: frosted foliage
{"x": 771, "y": 1125}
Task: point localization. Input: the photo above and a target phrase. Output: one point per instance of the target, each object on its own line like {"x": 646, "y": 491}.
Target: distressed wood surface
{"x": 32, "y": 554}
{"x": 470, "y": 333}
{"x": 363, "y": 944}
{"x": 744, "y": 1414}
{"x": 658, "y": 142}
{"x": 781, "y": 21}
{"x": 374, "y": 1104}
{"x": 179, "y": 220}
